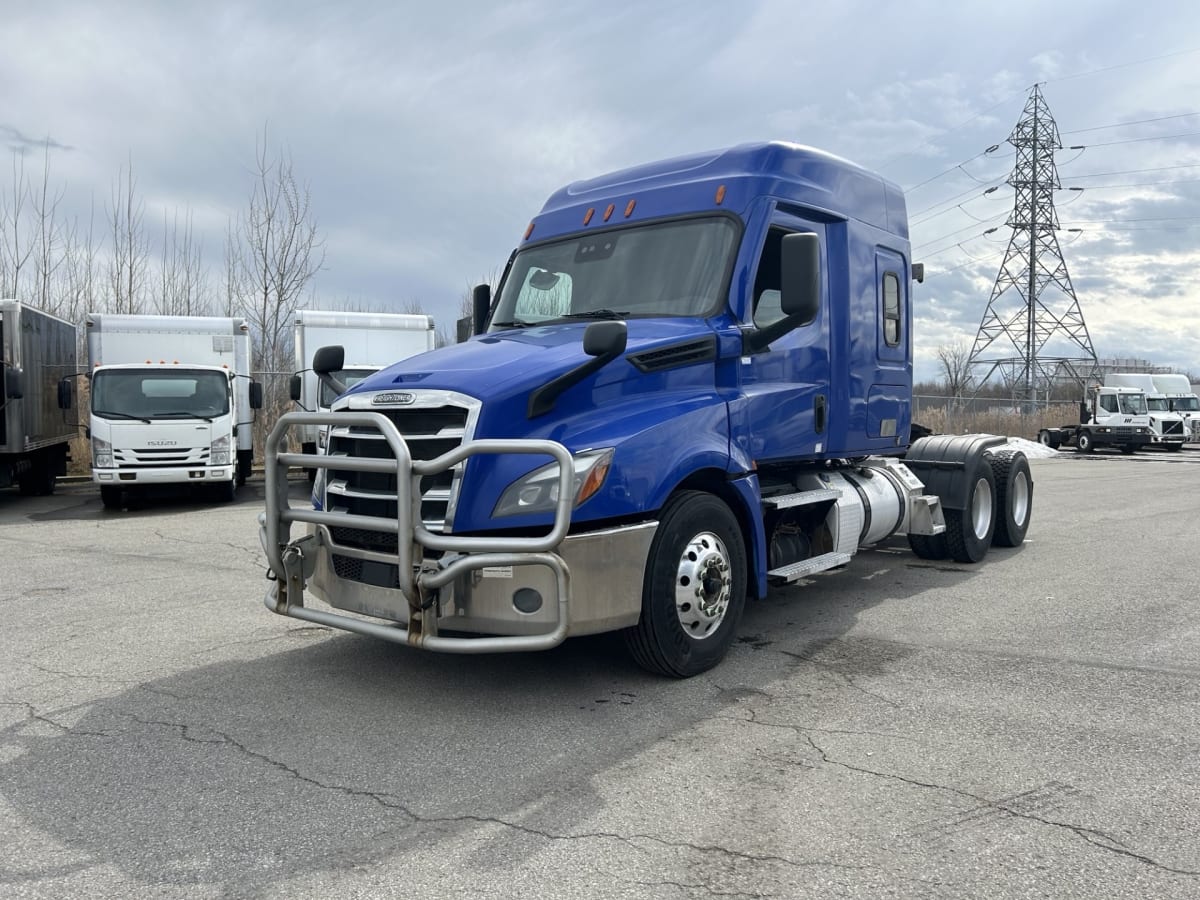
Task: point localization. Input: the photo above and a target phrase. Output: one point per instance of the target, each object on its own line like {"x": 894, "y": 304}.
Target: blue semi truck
{"x": 693, "y": 383}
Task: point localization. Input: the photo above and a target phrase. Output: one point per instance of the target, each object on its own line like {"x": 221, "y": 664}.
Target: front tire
{"x": 1084, "y": 442}
{"x": 110, "y": 496}
{"x": 1014, "y": 497}
{"x": 694, "y": 588}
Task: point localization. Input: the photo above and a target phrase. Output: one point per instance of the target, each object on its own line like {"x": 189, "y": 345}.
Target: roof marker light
{"x": 629, "y": 208}
{"x": 720, "y": 194}
{"x": 587, "y": 216}
{"x": 608, "y": 212}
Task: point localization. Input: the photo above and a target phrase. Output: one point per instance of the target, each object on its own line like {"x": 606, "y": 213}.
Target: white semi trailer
{"x": 172, "y": 403}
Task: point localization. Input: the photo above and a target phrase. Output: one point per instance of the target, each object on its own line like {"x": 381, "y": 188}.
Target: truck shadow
{"x": 339, "y": 750}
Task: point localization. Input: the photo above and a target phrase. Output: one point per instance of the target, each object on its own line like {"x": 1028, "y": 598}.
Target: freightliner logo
{"x": 393, "y": 398}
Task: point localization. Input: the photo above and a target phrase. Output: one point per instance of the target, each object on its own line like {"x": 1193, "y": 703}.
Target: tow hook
{"x": 298, "y": 567}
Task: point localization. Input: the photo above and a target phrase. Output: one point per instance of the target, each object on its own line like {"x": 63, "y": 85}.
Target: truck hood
{"x": 504, "y": 364}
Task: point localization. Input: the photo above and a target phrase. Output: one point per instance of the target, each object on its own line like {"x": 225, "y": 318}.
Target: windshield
{"x": 1186, "y": 404}
{"x": 348, "y": 377}
{"x": 1133, "y": 404}
{"x": 1157, "y": 404}
{"x": 668, "y": 269}
{"x": 159, "y": 394}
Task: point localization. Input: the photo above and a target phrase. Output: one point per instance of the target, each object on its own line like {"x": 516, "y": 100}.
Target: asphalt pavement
{"x": 902, "y": 728}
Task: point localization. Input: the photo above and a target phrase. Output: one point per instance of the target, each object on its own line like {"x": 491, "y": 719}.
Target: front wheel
{"x": 694, "y": 588}
{"x": 1084, "y": 442}
{"x": 110, "y": 496}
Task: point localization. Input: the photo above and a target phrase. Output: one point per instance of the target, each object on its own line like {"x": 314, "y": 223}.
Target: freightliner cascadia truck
{"x": 172, "y": 403}
{"x": 693, "y": 383}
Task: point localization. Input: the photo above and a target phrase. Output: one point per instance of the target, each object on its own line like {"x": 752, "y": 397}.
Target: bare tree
{"x": 48, "y": 240}
{"x": 127, "y": 265}
{"x": 16, "y": 250}
{"x": 956, "y": 371}
{"x": 182, "y": 278}
{"x": 272, "y": 254}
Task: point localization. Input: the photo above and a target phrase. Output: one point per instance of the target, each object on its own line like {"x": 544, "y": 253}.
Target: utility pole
{"x": 1032, "y": 332}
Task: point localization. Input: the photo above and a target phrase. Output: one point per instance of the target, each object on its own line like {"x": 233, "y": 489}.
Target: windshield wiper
{"x": 111, "y": 414}
{"x": 183, "y": 414}
{"x": 602, "y": 313}
{"x": 515, "y": 323}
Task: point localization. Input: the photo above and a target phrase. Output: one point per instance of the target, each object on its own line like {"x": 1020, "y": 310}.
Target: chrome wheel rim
{"x": 703, "y": 586}
{"x": 981, "y": 509}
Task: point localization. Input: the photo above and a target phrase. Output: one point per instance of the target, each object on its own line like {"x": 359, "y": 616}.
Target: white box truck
{"x": 371, "y": 342}
{"x": 37, "y": 370}
{"x": 1181, "y": 398}
{"x": 171, "y": 403}
{"x": 1169, "y": 426}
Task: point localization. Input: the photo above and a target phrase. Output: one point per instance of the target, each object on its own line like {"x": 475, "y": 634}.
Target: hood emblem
{"x": 393, "y": 398}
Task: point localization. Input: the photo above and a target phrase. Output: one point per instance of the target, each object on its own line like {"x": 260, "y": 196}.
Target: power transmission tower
{"x": 1032, "y": 332}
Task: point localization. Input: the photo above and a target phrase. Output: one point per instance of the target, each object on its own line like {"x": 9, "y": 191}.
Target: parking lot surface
{"x": 1023, "y": 727}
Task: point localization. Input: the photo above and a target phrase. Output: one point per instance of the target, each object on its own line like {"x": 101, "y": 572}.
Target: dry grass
{"x": 943, "y": 420}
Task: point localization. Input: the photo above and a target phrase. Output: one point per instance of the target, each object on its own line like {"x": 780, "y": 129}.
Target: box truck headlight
{"x": 102, "y": 456}
{"x": 218, "y": 453}
{"x": 538, "y": 491}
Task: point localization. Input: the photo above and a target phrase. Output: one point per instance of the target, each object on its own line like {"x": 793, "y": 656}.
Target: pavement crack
{"x": 1093, "y": 836}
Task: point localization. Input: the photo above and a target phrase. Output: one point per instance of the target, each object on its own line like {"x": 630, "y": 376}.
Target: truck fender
{"x": 947, "y": 463}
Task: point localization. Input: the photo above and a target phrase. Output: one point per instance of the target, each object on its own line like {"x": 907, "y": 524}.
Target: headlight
{"x": 102, "y": 457}
{"x": 218, "y": 453}
{"x": 538, "y": 491}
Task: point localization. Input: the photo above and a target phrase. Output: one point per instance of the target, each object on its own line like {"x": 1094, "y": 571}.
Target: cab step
{"x": 801, "y": 498}
{"x": 804, "y": 568}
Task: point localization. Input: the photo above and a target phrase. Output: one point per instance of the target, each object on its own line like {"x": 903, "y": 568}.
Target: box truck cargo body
{"x": 39, "y": 364}
{"x": 370, "y": 342}
{"x": 171, "y": 402}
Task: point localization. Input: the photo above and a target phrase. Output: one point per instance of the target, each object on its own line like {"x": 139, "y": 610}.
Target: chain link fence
{"x": 992, "y": 415}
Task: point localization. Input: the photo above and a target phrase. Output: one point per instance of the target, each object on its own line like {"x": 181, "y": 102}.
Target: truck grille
{"x": 1172, "y": 428}
{"x": 144, "y": 457}
{"x": 429, "y": 432}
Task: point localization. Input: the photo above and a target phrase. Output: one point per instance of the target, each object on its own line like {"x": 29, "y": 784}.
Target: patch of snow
{"x": 1032, "y": 449}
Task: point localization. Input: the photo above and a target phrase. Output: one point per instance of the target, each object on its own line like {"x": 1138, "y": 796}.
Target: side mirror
{"x": 14, "y": 387}
{"x": 800, "y": 276}
{"x": 329, "y": 359}
{"x": 326, "y": 361}
{"x": 66, "y": 393}
{"x": 256, "y": 395}
{"x": 800, "y": 289}
{"x": 294, "y": 388}
{"x": 605, "y": 339}
{"x": 481, "y": 305}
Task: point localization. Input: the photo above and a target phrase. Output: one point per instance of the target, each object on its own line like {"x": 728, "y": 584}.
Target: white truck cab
{"x": 1169, "y": 427}
{"x": 1182, "y": 400}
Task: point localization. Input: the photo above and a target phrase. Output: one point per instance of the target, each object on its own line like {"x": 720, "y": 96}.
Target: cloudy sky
{"x": 429, "y": 134}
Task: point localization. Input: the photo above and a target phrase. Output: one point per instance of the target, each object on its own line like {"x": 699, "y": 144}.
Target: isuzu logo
{"x": 162, "y": 443}
{"x": 393, "y": 398}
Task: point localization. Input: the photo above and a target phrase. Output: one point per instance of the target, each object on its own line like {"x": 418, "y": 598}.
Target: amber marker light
{"x": 629, "y": 208}
{"x": 594, "y": 480}
{"x": 587, "y": 216}
{"x": 720, "y": 194}
{"x": 608, "y": 212}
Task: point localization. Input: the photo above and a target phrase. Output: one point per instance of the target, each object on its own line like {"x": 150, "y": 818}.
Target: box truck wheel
{"x": 1014, "y": 497}
{"x": 694, "y": 588}
{"x": 969, "y": 530}
{"x": 110, "y": 496}
{"x": 39, "y": 480}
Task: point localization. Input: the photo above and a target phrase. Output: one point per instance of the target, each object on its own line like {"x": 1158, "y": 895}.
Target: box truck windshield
{"x": 157, "y": 394}
{"x": 348, "y": 377}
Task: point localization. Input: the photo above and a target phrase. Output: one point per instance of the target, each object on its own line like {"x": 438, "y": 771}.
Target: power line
{"x": 1163, "y": 137}
{"x": 960, "y": 165}
{"x": 1127, "y": 124}
{"x": 1133, "y": 171}
{"x": 1136, "y": 62}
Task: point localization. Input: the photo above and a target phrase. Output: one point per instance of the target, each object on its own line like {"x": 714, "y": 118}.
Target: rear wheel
{"x": 694, "y": 588}
{"x": 1048, "y": 439}
{"x": 969, "y": 531}
{"x": 929, "y": 546}
{"x": 1014, "y": 497}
